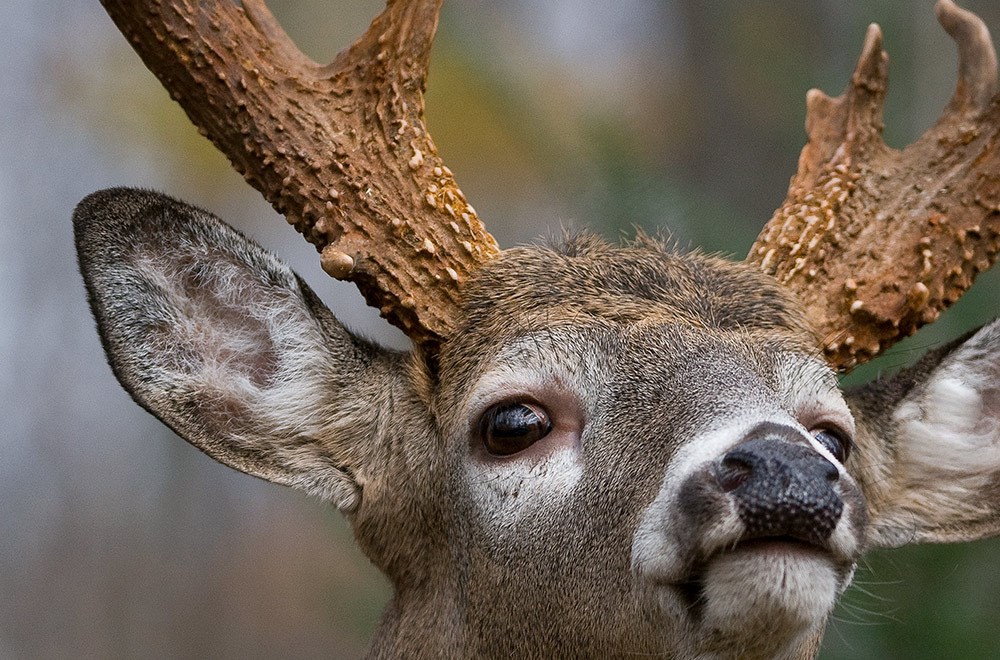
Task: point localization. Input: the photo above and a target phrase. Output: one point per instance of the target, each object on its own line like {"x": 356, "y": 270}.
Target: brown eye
{"x": 834, "y": 442}
{"x": 512, "y": 427}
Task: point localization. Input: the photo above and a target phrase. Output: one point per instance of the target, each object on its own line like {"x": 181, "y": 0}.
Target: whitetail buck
{"x": 591, "y": 451}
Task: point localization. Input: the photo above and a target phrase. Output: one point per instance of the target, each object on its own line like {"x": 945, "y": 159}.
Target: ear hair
{"x": 226, "y": 345}
{"x": 932, "y": 439}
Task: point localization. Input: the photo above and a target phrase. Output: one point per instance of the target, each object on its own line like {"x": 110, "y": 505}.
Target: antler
{"x": 341, "y": 149}
{"x": 876, "y": 242}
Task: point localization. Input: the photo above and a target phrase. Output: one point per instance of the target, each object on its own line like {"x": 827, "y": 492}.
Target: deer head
{"x": 590, "y": 450}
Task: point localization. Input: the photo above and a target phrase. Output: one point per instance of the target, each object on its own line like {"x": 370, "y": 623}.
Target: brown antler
{"x": 341, "y": 150}
{"x": 877, "y": 242}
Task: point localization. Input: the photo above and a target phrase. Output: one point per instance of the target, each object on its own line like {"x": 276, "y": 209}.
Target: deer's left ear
{"x": 929, "y": 440}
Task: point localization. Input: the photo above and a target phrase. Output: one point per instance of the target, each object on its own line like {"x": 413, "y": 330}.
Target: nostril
{"x": 732, "y": 473}
{"x": 781, "y": 488}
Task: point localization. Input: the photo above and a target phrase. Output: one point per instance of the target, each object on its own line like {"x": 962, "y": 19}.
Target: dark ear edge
{"x": 226, "y": 345}
{"x": 876, "y": 400}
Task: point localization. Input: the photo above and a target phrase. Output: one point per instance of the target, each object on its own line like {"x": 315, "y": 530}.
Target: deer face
{"x": 636, "y": 465}
{"x": 622, "y": 450}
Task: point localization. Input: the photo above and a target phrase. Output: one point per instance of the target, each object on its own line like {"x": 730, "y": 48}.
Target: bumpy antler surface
{"x": 877, "y": 242}
{"x": 341, "y": 150}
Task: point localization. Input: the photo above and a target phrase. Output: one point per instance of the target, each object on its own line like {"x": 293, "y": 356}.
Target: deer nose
{"x": 781, "y": 487}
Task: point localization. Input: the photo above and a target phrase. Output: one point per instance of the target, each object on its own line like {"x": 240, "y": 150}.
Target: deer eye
{"x": 508, "y": 428}
{"x": 835, "y": 442}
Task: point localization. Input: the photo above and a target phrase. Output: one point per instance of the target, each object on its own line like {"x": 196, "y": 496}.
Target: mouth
{"x": 777, "y": 590}
{"x": 783, "y": 552}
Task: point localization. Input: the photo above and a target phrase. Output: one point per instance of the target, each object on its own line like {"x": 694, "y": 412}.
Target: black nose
{"x": 781, "y": 486}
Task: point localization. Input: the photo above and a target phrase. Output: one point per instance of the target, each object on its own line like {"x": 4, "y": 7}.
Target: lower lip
{"x": 779, "y": 545}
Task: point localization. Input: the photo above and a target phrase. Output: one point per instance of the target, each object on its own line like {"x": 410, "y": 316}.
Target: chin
{"x": 767, "y": 598}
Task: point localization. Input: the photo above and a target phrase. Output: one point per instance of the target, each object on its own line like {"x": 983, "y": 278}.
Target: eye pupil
{"x": 512, "y": 427}
{"x": 834, "y": 442}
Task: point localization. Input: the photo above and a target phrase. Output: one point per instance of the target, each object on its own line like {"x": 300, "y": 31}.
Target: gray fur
{"x": 609, "y": 537}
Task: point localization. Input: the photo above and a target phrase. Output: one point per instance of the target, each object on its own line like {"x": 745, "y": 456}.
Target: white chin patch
{"x": 772, "y": 591}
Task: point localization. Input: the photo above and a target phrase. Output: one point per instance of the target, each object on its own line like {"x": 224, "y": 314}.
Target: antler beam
{"x": 341, "y": 150}
{"x": 877, "y": 242}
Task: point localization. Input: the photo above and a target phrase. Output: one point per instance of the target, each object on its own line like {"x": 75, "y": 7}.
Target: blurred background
{"x": 118, "y": 540}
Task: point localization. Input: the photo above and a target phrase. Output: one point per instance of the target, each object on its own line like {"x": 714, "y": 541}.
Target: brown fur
{"x": 638, "y": 353}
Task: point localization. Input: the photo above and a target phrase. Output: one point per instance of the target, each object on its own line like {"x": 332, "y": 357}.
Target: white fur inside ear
{"x": 948, "y": 429}
{"x": 948, "y": 449}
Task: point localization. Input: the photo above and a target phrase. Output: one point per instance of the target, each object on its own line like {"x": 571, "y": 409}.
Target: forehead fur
{"x": 585, "y": 281}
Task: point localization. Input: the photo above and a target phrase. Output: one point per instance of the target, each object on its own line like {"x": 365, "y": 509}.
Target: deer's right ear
{"x": 227, "y": 346}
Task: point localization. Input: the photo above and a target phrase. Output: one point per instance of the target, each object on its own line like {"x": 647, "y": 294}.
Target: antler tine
{"x": 877, "y": 242}
{"x": 341, "y": 150}
{"x": 977, "y": 60}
